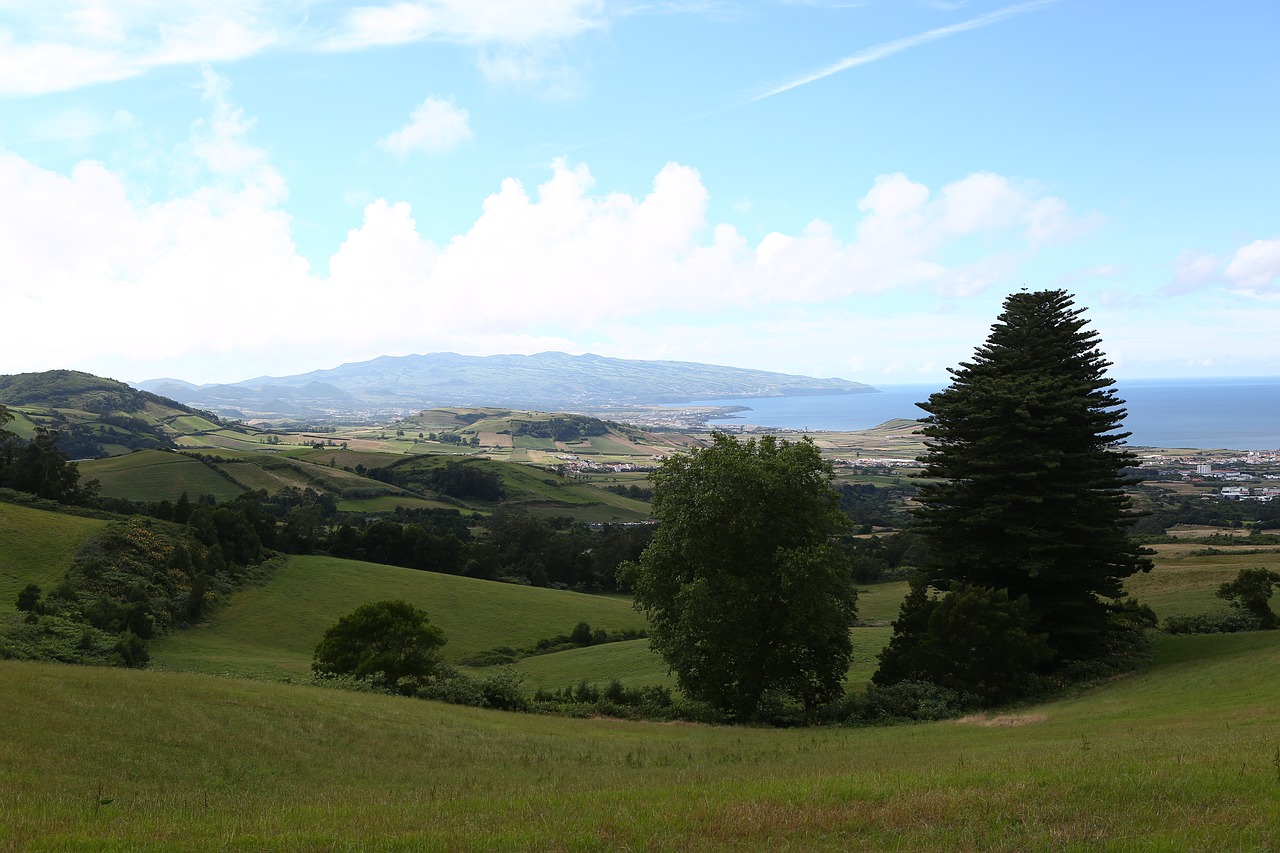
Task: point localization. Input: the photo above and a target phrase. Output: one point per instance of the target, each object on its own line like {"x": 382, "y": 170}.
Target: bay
{"x": 1234, "y": 413}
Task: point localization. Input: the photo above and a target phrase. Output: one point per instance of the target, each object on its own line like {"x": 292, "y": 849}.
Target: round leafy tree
{"x": 744, "y": 586}
{"x": 1028, "y": 492}
{"x": 390, "y": 641}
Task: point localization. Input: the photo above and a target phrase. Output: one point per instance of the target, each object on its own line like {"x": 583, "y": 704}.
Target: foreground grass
{"x": 272, "y": 630}
{"x": 1179, "y": 757}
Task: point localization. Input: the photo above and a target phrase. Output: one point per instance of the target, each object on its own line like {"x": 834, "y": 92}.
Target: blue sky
{"x": 219, "y": 191}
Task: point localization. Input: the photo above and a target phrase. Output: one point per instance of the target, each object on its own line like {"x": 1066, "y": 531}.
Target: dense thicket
{"x": 1027, "y": 508}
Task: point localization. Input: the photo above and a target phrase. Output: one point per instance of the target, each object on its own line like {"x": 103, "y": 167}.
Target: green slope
{"x": 36, "y": 546}
{"x": 1180, "y": 757}
{"x": 155, "y": 475}
{"x": 272, "y": 630}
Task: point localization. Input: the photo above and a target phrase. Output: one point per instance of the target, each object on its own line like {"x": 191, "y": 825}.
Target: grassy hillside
{"x": 36, "y": 546}
{"x": 272, "y": 630}
{"x": 154, "y": 475}
{"x": 1179, "y": 757}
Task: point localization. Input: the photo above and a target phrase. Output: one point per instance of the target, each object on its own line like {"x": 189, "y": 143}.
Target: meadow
{"x": 1181, "y": 756}
{"x": 217, "y": 746}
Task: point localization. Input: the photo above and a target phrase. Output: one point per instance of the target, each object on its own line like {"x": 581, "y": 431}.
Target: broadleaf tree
{"x": 1027, "y": 493}
{"x": 391, "y": 641}
{"x": 744, "y": 584}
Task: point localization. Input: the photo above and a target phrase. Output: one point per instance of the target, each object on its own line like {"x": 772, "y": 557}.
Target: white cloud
{"x": 1253, "y": 269}
{"x": 55, "y": 46}
{"x": 96, "y": 270}
{"x": 435, "y": 126}
{"x": 50, "y": 47}
{"x": 516, "y": 22}
{"x": 1255, "y": 266}
{"x": 886, "y": 49}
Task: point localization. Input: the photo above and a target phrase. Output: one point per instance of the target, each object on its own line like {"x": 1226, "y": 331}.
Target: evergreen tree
{"x": 1028, "y": 495}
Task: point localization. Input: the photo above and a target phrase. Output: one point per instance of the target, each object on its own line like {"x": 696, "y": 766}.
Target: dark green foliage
{"x": 973, "y": 640}
{"x": 40, "y": 467}
{"x": 560, "y": 427}
{"x": 744, "y": 585}
{"x": 639, "y": 493}
{"x": 1251, "y": 593}
{"x": 1030, "y": 494}
{"x": 463, "y": 481}
{"x": 904, "y": 701}
{"x": 869, "y": 506}
{"x": 1231, "y": 622}
{"x": 390, "y": 641}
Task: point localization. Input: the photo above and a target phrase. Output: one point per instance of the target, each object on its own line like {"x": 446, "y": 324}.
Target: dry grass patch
{"x": 1002, "y": 720}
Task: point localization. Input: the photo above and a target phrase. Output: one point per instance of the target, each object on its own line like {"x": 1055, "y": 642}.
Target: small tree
{"x": 391, "y": 641}
{"x": 744, "y": 584}
{"x": 1251, "y": 592}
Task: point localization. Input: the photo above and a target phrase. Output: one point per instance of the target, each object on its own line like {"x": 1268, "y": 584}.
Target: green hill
{"x": 1179, "y": 757}
{"x": 272, "y": 630}
{"x": 98, "y": 416}
{"x": 36, "y": 546}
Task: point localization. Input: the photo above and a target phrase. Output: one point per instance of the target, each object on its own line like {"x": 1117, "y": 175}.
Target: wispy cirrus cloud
{"x": 886, "y": 49}
{"x": 61, "y": 45}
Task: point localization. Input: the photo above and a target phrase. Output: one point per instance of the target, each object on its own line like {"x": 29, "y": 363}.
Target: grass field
{"x": 36, "y": 547}
{"x": 272, "y": 630}
{"x": 1183, "y": 582}
{"x": 153, "y": 475}
{"x": 1179, "y": 757}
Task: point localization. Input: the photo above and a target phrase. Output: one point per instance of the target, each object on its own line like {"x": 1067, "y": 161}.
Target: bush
{"x": 905, "y": 701}
{"x": 1231, "y": 622}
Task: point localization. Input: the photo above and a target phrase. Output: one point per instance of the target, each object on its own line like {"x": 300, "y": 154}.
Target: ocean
{"x": 1239, "y": 414}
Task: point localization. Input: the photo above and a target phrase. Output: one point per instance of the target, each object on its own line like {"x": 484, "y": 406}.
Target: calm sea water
{"x": 1241, "y": 414}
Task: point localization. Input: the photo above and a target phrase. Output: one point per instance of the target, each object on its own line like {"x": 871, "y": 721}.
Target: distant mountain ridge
{"x": 395, "y": 385}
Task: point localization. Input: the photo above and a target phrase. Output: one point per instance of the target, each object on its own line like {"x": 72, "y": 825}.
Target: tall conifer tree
{"x": 1030, "y": 494}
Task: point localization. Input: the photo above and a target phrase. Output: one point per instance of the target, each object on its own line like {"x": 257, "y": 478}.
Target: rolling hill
{"x": 97, "y": 416}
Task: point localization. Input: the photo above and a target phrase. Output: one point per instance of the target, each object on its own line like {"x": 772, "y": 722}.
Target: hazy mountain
{"x": 547, "y": 381}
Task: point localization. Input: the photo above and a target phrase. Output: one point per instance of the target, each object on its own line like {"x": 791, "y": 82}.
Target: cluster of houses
{"x": 576, "y": 464}
{"x": 1244, "y": 493}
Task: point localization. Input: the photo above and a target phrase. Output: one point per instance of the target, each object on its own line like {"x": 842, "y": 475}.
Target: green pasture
{"x": 1184, "y": 582}
{"x": 192, "y": 423}
{"x": 389, "y": 503}
{"x": 1179, "y": 757}
{"x": 273, "y": 629}
{"x": 531, "y": 442}
{"x": 36, "y": 546}
{"x": 154, "y": 475}
{"x": 603, "y": 444}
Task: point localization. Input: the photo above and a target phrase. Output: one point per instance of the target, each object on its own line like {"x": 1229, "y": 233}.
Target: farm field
{"x": 1180, "y": 756}
{"x": 154, "y": 475}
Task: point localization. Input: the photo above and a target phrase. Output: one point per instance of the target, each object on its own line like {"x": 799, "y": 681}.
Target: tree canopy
{"x": 744, "y": 585}
{"x": 1027, "y": 494}
{"x": 392, "y": 641}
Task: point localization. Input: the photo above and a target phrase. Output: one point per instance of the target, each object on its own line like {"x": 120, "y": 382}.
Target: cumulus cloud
{"x": 1253, "y": 269}
{"x": 96, "y": 269}
{"x": 435, "y": 126}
